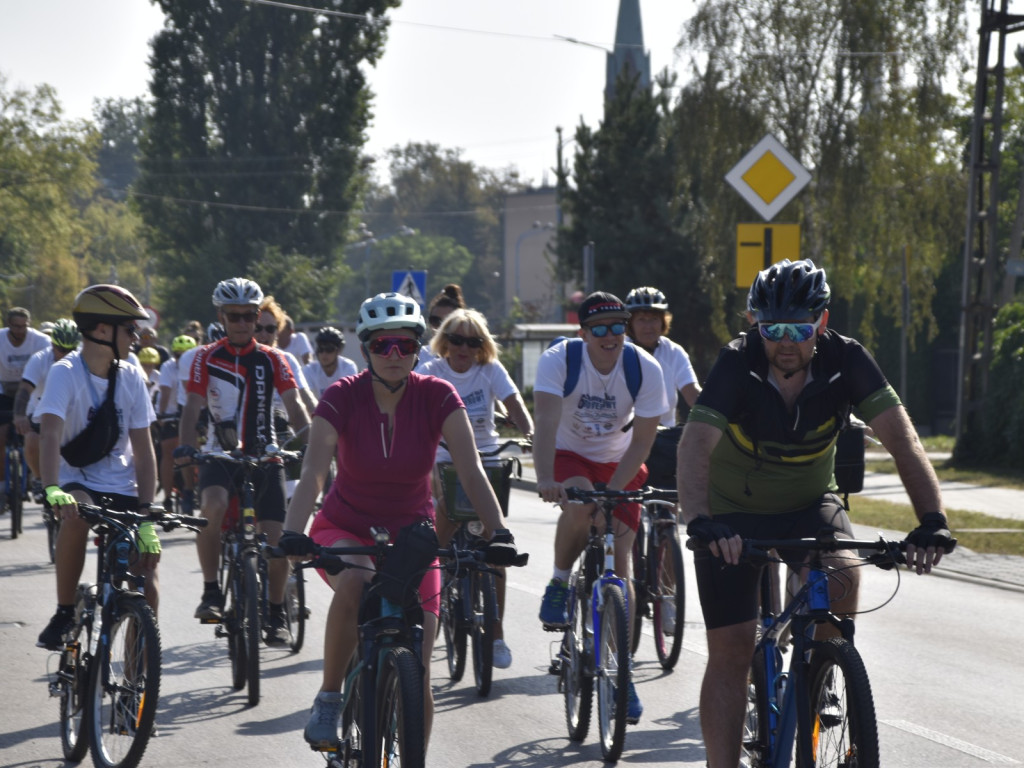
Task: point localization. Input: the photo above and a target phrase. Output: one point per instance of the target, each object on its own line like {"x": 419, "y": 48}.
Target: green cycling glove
{"x": 55, "y": 497}
{"x": 147, "y": 540}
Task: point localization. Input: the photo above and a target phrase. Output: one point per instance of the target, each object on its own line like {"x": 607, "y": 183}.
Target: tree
{"x": 120, "y": 123}
{"x": 253, "y": 142}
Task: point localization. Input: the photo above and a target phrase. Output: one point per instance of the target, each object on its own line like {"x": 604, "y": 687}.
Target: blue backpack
{"x": 574, "y": 361}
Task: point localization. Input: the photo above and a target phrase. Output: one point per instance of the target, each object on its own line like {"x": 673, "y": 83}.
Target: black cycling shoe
{"x": 57, "y": 631}
{"x": 276, "y": 632}
{"x": 210, "y": 608}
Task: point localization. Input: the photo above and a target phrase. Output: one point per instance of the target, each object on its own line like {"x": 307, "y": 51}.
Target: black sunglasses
{"x": 320, "y": 350}
{"x": 268, "y": 328}
{"x": 241, "y": 317}
{"x": 435, "y": 321}
{"x": 474, "y": 342}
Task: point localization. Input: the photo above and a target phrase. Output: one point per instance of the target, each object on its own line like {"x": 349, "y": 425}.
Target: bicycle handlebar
{"x": 166, "y": 520}
{"x": 886, "y": 551}
{"x": 584, "y": 495}
{"x": 330, "y": 559}
{"x": 270, "y": 454}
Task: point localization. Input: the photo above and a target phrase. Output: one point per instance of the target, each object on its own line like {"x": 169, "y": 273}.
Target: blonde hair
{"x": 270, "y": 305}
{"x": 477, "y": 323}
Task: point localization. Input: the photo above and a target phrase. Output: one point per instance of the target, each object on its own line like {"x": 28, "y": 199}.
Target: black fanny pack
{"x": 101, "y": 433}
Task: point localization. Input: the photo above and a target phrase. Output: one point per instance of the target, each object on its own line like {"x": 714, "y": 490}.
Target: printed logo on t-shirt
{"x": 594, "y": 416}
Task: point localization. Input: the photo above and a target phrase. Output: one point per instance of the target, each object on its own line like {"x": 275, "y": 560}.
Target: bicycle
{"x": 820, "y": 710}
{"x": 243, "y": 577}
{"x": 382, "y": 698}
{"x": 108, "y": 674}
{"x": 659, "y": 581}
{"x": 469, "y": 602}
{"x": 595, "y": 645}
{"x": 17, "y": 479}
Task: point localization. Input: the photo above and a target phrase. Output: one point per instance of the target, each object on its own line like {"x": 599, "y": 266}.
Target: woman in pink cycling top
{"x": 384, "y": 426}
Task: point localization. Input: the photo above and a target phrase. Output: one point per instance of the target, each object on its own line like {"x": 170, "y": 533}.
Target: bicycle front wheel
{"x": 485, "y": 614}
{"x": 400, "y": 729}
{"x": 295, "y": 609}
{"x": 613, "y": 672}
{"x": 15, "y": 495}
{"x": 669, "y": 584}
{"x": 843, "y": 727}
{"x": 73, "y": 685}
{"x": 250, "y": 628}
{"x": 577, "y": 656}
{"x": 124, "y": 685}
{"x": 52, "y": 524}
{"x": 453, "y": 628}
{"x": 755, "y": 722}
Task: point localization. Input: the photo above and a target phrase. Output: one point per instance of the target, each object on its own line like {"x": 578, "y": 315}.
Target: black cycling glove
{"x": 184, "y": 452}
{"x": 501, "y": 549}
{"x": 296, "y": 544}
{"x": 707, "y": 529}
{"x": 932, "y": 532}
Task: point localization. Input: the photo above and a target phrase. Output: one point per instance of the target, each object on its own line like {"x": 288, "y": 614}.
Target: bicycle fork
{"x": 597, "y": 595}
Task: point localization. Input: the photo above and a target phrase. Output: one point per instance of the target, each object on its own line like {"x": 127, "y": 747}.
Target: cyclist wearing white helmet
{"x": 384, "y": 426}
{"x": 235, "y": 378}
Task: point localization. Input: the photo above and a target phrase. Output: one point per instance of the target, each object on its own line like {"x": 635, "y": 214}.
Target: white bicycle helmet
{"x": 389, "y": 311}
{"x": 237, "y": 290}
{"x": 646, "y": 298}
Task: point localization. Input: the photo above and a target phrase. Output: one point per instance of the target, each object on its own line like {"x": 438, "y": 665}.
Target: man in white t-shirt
{"x": 329, "y": 365}
{"x": 596, "y": 433}
{"x": 294, "y": 342}
{"x": 18, "y": 342}
{"x": 107, "y": 316}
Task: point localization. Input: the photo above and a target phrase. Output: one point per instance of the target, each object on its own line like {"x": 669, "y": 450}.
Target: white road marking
{"x": 940, "y": 738}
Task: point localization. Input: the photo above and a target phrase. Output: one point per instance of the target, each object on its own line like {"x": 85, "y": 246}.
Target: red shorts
{"x": 326, "y": 534}
{"x": 569, "y": 464}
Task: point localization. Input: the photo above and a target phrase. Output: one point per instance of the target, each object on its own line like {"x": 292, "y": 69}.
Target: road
{"x": 946, "y": 675}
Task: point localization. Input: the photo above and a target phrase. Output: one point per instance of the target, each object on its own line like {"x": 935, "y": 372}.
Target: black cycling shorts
{"x": 115, "y": 502}
{"x": 267, "y": 482}
{"x": 6, "y": 409}
{"x": 729, "y": 594}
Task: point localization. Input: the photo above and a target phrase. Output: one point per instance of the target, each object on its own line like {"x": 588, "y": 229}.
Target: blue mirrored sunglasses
{"x": 600, "y": 331}
{"x": 798, "y": 332}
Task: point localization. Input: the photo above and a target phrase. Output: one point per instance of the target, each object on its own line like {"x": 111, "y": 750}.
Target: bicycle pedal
{"x": 210, "y": 621}
{"x": 554, "y": 627}
{"x": 556, "y": 667}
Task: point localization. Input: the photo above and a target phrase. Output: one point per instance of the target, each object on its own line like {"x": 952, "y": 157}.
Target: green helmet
{"x": 182, "y": 343}
{"x": 65, "y": 334}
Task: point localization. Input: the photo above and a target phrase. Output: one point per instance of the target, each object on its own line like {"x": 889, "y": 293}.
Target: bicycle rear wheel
{"x": 250, "y": 627}
{"x": 577, "y": 655}
{"x": 295, "y": 609}
{"x": 52, "y": 524}
{"x": 124, "y": 685}
{"x": 485, "y": 615}
{"x": 755, "y": 722}
{"x": 613, "y": 672}
{"x": 843, "y": 730}
{"x": 668, "y": 583}
{"x": 350, "y": 753}
{"x": 641, "y": 592}
{"x": 73, "y": 683}
{"x": 453, "y": 628}
{"x": 401, "y": 741}
{"x": 15, "y": 492}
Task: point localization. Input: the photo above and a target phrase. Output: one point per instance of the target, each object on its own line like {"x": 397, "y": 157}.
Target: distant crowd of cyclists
{"x": 99, "y": 398}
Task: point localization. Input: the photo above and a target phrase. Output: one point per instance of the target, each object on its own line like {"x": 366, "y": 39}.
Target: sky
{"x": 487, "y": 77}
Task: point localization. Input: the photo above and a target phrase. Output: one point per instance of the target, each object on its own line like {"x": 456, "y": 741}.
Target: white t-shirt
{"x": 297, "y": 374}
{"x": 71, "y": 393}
{"x": 298, "y": 345}
{"x": 319, "y": 381}
{"x": 478, "y": 387}
{"x": 36, "y": 369}
{"x": 184, "y": 369}
{"x": 678, "y": 372}
{"x": 13, "y": 359}
{"x": 169, "y": 378}
{"x": 595, "y": 412}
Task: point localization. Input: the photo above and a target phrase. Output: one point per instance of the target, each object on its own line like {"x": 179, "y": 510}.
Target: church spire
{"x": 629, "y": 54}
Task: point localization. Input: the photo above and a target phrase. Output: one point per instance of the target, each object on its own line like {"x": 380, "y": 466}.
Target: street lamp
{"x": 537, "y": 229}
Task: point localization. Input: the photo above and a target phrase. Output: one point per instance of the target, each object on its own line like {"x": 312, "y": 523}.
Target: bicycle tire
{"x": 250, "y": 628}
{"x": 485, "y": 616}
{"x": 641, "y": 590}
{"x": 454, "y": 629}
{"x": 844, "y": 730}
{"x": 16, "y": 482}
{"x": 350, "y": 753}
{"x": 231, "y": 623}
{"x": 124, "y": 685}
{"x": 576, "y": 681}
{"x": 73, "y": 682}
{"x": 668, "y": 589}
{"x": 755, "y": 720}
{"x": 401, "y": 739}
{"x": 52, "y": 524}
{"x": 295, "y": 609}
{"x": 613, "y": 672}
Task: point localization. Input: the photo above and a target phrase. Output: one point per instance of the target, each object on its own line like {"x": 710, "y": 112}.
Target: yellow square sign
{"x": 758, "y": 246}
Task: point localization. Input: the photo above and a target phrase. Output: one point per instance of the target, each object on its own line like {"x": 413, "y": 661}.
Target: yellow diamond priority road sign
{"x": 768, "y": 177}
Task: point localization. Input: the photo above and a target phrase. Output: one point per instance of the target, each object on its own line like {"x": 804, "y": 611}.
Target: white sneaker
{"x": 668, "y": 617}
{"x": 502, "y": 655}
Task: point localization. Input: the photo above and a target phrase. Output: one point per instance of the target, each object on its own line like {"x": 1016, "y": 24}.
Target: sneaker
{"x": 502, "y": 655}
{"x": 210, "y": 607}
{"x": 55, "y": 635}
{"x": 633, "y": 706}
{"x": 276, "y": 632}
{"x": 668, "y": 616}
{"x": 322, "y": 728}
{"x": 553, "y": 611}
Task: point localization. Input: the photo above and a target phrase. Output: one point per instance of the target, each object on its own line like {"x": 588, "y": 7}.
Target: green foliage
{"x": 1001, "y": 441}
{"x": 120, "y": 123}
{"x": 298, "y": 283}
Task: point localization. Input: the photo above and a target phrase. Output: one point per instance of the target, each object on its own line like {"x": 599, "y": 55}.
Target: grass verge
{"x": 984, "y": 478}
{"x": 975, "y": 530}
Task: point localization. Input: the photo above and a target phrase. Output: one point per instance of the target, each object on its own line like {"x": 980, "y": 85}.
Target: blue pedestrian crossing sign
{"x": 411, "y": 283}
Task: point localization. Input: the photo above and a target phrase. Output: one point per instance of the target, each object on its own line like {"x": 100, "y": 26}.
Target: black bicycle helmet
{"x": 330, "y": 337}
{"x": 646, "y": 298}
{"x": 788, "y": 290}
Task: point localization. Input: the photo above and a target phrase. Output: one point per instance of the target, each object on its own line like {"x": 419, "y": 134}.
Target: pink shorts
{"x": 569, "y": 464}
{"x": 326, "y": 534}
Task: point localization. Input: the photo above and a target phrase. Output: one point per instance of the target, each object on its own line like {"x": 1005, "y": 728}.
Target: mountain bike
{"x": 108, "y": 674}
{"x": 382, "y": 699}
{"x": 659, "y": 584}
{"x": 243, "y": 577}
{"x": 469, "y": 602}
{"x": 17, "y": 479}
{"x": 595, "y": 645}
{"x": 820, "y": 710}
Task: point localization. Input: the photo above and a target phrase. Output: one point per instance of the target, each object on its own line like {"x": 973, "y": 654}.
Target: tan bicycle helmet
{"x": 107, "y": 304}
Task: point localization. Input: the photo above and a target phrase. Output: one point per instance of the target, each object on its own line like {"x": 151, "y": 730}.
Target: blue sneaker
{"x": 633, "y": 706}
{"x": 554, "y": 615}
